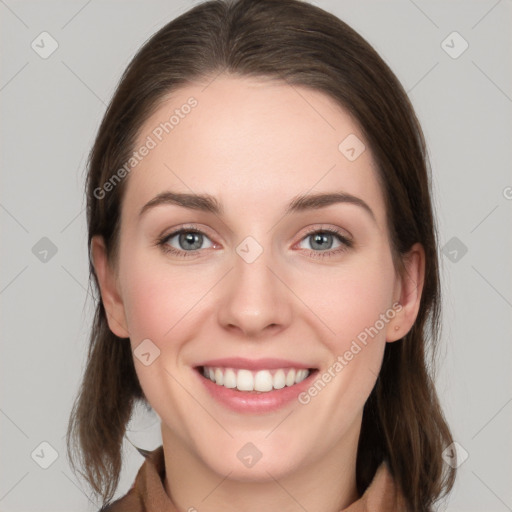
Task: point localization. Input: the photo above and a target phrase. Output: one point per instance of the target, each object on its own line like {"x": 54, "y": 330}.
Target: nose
{"x": 254, "y": 301}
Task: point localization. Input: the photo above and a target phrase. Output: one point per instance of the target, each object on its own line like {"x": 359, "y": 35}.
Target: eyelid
{"x": 328, "y": 228}
{"x": 198, "y": 228}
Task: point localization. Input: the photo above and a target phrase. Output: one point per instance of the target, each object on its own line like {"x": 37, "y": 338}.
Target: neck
{"x": 328, "y": 484}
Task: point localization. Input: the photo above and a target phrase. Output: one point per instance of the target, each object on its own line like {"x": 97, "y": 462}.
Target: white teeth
{"x": 261, "y": 381}
{"x": 290, "y": 378}
{"x": 244, "y": 380}
{"x": 300, "y": 376}
{"x": 229, "y": 378}
{"x": 279, "y": 379}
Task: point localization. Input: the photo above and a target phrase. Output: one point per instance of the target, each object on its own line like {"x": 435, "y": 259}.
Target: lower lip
{"x": 250, "y": 402}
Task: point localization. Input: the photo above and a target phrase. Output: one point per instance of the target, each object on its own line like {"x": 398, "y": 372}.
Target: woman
{"x": 262, "y": 237}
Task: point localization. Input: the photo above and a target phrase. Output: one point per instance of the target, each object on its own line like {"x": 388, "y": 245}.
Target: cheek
{"x": 162, "y": 299}
{"x": 351, "y": 297}
{"x": 351, "y": 301}
{"x": 158, "y": 297}
{"x": 160, "y": 302}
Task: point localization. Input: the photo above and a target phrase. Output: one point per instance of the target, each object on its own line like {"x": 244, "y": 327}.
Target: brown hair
{"x": 296, "y": 42}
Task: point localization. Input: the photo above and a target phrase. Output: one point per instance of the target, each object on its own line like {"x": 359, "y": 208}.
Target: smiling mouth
{"x": 261, "y": 381}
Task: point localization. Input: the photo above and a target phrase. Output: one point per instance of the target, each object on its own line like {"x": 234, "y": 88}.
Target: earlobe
{"x": 408, "y": 294}
{"x": 110, "y": 295}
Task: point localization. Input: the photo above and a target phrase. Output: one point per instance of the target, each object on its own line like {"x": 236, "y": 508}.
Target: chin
{"x": 248, "y": 461}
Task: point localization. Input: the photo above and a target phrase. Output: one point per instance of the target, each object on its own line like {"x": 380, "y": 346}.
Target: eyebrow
{"x": 208, "y": 203}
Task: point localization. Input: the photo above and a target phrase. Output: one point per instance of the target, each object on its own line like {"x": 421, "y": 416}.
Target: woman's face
{"x": 265, "y": 290}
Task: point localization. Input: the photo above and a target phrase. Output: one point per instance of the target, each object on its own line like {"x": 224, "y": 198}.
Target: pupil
{"x": 321, "y": 240}
{"x": 190, "y": 238}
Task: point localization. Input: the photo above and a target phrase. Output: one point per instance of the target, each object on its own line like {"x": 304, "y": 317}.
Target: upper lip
{"x": 253, "y": 364}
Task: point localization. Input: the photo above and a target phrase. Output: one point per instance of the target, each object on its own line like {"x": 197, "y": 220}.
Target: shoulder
{"x": 133, "y": 500}
{"x": 130, "y": 502}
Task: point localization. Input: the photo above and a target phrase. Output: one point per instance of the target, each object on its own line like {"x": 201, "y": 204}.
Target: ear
{"x": 110, "y": 295}
{"x": 407, "y": 294}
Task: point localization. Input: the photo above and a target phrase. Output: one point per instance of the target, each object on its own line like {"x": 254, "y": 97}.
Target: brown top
{"x": 147, "y": 493}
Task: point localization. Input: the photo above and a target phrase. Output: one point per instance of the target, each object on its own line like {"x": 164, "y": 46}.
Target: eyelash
{"x": 346, "y": 243}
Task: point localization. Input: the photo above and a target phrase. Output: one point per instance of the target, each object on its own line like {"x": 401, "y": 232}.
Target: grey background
{"x": 50, "y": 111}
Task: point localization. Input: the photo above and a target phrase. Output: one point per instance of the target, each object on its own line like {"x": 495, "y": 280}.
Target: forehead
{"x": 266, "y": 141}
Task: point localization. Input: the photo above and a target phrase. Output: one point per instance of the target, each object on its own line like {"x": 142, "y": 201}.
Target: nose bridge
{"x": 254, "y": 298}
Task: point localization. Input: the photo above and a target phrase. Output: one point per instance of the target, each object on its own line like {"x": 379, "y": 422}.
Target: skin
{"x": 255, "y": 145}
